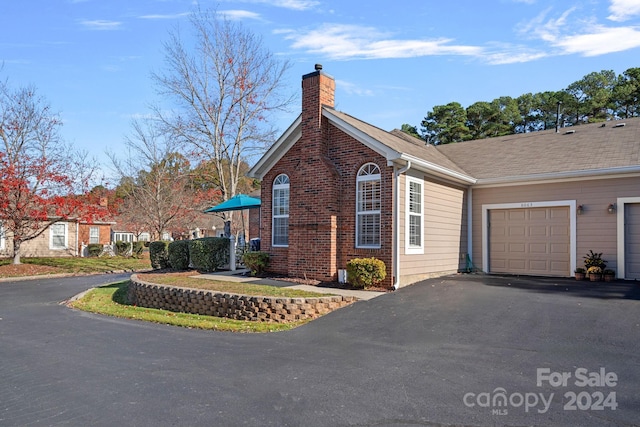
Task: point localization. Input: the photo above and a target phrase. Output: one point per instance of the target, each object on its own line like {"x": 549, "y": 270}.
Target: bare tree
{"x": 154, "y": 179}
{"x": 42, "y": 180}
{"x": 224, "y": 88}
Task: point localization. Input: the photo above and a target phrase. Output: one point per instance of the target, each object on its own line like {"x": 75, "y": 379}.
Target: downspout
{"x": 396, "y": 226}
{"x": 469, "y": 225}
{"x": 77, "y": 237}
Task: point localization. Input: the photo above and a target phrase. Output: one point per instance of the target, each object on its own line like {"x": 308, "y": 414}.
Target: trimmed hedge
{"x": 159, "y": 254}
{"x": 365, "y": 272}
{"x": 122, "y": 248}
{"x": 209, "y": 253}
{"x": 138, "y": 249}
{"x": 94, "y": 249}
{"x": 179, "y": 254}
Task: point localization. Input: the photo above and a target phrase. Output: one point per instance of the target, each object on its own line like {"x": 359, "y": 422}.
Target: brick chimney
{"x": 314, "y": 191}
{"x": 318, "y": 90}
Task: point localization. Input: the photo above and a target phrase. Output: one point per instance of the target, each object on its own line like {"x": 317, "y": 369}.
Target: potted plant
{"x": 609, "y": 275}
{"x": 580, "y": 273}
{"x": 594, "y": 259}
{"x": 595, "y": 273}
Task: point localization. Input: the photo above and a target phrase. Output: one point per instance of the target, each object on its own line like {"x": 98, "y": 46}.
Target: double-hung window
{"x": 368, "y": 202}
{"x": 94, "y": 235}
{"x": 280, "y": 215}
{"x": 414, "y": 216}
{"x": 58, "y": 236}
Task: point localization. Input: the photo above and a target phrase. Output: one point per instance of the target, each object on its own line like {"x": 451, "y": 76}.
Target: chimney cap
{"x": 318, "y": 67}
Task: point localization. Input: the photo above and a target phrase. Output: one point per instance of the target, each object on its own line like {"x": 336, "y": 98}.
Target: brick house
{"x": 336, "y": 188}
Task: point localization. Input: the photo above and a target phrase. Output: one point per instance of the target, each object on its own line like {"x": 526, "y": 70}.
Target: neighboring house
{"x": 94, "y": 232}
{"x": 336, "y": 188}
{"x": 60, "y": 239}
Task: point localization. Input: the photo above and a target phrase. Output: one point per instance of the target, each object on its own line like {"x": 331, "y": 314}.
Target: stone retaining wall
{"x": 233, "y": 306}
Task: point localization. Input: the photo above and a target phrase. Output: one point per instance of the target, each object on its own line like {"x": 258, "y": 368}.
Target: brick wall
{"x": 322, "y": 167}
{"x": 233, "y": 306}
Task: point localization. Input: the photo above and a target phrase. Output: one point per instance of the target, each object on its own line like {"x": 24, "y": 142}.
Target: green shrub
{"x": 138, "y": 249}
{"x": 209, "y": 253}
{"x": 365, "y": 272}
{"x": 94, "y": 249}
{"x": 159, "y": 254}
{"x": 123, "y": 248}
{"x": 256, "y": 261}
{"x": 179, "y": 254}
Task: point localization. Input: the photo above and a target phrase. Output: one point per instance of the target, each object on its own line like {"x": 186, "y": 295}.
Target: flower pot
{"x": 595, "y": 277}
{"x": 580, "y": 276}
{"x": 609, "y": 277}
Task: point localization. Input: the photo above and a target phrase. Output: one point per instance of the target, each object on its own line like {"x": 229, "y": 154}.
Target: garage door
{"x": 532, "y": 241}
{"x": 632, "y": 241}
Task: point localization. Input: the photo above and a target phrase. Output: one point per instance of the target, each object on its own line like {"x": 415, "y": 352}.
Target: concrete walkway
{"x": 239, "y": 276}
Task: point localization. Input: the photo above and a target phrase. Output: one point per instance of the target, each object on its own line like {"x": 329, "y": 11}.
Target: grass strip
{"x": 223, "y": 286}
{"x": 111, "y": 300}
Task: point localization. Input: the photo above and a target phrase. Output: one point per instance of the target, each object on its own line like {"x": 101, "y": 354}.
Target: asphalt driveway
{"x": 461, "y": 350}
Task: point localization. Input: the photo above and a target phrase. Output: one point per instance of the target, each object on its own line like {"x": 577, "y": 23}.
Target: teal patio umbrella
{"x": 236, "y": 203}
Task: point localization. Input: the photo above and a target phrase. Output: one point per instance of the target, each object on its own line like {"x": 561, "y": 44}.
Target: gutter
{"x": 396, "y": 226}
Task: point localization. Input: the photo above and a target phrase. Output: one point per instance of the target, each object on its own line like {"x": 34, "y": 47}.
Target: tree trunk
{"x": 16, "y": 251}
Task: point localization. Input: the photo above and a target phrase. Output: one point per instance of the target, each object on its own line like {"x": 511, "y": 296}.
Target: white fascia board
{"x": 608, "y": 173}
{"x": 440, "y": 171}
{"x": 362, "y": 137}
{"x": 277, "y": 150}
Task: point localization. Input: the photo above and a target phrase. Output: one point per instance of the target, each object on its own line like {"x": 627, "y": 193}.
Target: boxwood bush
{"x": 159, "y": 254}
{"x": 209, "y": 253}
{"x": 138, "y": 249}
{"x": 179, "y": 254}
{"x": 123, "y": 248}
{"x": 256, "y": 261}
{"x": 365, "y": 272}
{"x": 94, "y": 249}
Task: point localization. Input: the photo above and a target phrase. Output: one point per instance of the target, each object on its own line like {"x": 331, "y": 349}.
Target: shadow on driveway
{"x": 618, "y": 289}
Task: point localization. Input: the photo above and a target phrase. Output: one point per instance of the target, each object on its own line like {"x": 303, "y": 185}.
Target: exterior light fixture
{"x": 580, "y": 209}
{"x": 611, "y": 208}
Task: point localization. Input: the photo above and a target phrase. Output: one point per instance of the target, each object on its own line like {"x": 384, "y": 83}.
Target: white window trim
{"x": 620, "y": 208}
{"x": 359, "y": 179}
{"x": 91, "y": 228}
{"x": 273, "y": 216}
{"x": 409, "y": 249}
{"x": 66, "y": 236}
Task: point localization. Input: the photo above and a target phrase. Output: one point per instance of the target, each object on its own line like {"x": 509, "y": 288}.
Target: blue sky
{"x": 392, "y": 61}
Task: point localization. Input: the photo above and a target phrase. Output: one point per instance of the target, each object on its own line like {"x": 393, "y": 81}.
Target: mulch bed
{"x": 11, "y": 270}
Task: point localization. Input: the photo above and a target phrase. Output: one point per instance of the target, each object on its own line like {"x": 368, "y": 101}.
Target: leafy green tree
{"x": 626, "y": 94}
{"x": 446, "y": 124}
{"x": 410, "y": 130}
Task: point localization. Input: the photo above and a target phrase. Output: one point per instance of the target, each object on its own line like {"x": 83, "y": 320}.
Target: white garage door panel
{"x": 530, "y": 241}
{"x": 632, "y": 241}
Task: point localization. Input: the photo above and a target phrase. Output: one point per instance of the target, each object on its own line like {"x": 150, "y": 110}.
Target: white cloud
{"x": 353, "y": 89}
{"x": 601, "y": 40}
{"x": 173, "y": 16}
{"x": 566, "y": 35}
{"x": 237, "y": 15}
{"x": 101, "y": 25}
{"x": 341, "y": 42}
{"x": 288, "y": 4}
{"x": 623, "y": 10}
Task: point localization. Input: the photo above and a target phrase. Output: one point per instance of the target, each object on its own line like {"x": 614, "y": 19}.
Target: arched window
{"x": 368, "y": 206}
{"x": 280, "y": 215}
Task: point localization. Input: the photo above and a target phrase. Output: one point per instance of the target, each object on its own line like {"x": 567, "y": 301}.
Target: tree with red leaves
{"x": 41, "y": 178}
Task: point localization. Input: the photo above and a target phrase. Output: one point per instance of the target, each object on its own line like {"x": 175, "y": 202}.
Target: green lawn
{"x": 86, "y": 265}
{"x": 111, "y": 300}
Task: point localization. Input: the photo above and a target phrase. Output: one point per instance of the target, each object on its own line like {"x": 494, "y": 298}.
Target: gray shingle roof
{"x": 588, "y": 147}
{"x": 579, "y": 148}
